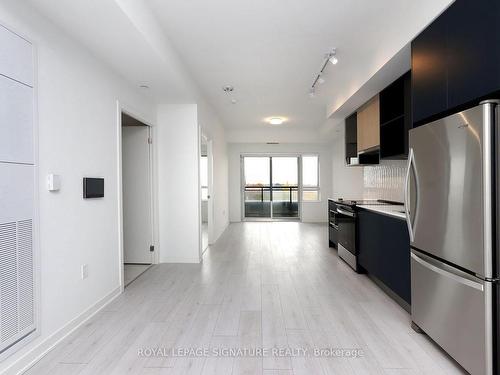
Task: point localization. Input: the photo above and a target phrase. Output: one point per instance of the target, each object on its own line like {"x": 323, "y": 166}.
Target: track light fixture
{"x": 330, "y": 57}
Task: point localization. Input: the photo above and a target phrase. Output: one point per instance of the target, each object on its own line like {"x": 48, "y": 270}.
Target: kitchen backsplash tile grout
{"x": 385, "y": 181}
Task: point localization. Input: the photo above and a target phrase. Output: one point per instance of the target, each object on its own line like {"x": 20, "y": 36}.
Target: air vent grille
{"x": 25, "y": 274}
{"x": 17, "y": 317}
{"x": 8, "y": 281}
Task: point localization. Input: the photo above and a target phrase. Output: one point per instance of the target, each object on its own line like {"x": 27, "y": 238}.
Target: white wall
{"x": 77, "y": 137}
{"x": 212, "y": 128}
{"x": 177, "y": 158}
{"x": 347, "y": 182}
{"x": 204, "y": 211}
{"x": 178, "y": 149}
{"x": 311, "y": 211}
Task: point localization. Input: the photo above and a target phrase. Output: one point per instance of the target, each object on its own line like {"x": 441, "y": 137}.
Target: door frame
{"x": 129, "y": 110}
{"x": 210, "y": 180}
{"x": 242, "y": 184}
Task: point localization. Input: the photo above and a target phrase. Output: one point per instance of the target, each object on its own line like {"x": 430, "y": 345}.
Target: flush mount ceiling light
{"x": 228, "y": 89}
{"x": 276, "y": 121}
{"x": 330, "y": 57}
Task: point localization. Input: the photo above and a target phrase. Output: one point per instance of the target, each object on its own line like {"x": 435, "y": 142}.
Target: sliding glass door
{"x": 270, "y": 187}
{"x": 285, "y": 187}
{"x": 257, "y": 187}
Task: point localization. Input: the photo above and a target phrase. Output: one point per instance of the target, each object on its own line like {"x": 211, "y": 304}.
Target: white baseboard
{"x": 36, "y": 353}
{"x": 217, "y": 236}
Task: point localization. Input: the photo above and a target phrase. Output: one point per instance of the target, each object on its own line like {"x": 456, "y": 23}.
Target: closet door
{"x": 17, "y": 193}
{"x": 16, "y": 57}
{"x": 16, "y": 122}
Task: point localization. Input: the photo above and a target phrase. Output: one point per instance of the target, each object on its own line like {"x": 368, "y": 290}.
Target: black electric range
{"x": 345, "y": 215}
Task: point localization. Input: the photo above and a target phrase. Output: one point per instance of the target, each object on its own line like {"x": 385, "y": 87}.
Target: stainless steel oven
{"x": 346, "y": 221}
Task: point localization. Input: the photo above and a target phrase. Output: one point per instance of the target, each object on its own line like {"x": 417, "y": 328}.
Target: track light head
{"x": 332, "y": 57}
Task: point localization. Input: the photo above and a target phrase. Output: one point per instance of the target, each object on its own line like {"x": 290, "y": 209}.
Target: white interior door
{"x": 137, "y": 226}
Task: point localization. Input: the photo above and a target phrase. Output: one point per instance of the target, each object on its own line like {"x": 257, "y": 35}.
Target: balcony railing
{"x": 283, "y": 199}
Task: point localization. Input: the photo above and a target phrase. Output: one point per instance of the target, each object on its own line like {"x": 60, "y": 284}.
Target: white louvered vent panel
{"x": 25, "y": 274}
{"x": 8, "y": 283}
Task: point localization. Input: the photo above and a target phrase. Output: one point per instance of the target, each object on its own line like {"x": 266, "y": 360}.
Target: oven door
{"x": 346, "y": 222}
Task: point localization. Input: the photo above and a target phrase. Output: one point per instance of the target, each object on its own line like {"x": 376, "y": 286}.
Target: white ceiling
{"x": 269, "y": 50}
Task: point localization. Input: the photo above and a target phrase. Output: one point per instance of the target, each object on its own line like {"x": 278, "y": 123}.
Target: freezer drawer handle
{"x": 451, "y": 275}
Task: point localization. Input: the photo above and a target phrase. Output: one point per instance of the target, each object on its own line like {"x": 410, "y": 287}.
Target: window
{"x": 310, "y": 178}
{"x": 204, "y": 177}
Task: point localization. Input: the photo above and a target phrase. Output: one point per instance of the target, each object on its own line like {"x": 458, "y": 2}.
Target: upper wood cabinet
{"x": 369, "y": 125}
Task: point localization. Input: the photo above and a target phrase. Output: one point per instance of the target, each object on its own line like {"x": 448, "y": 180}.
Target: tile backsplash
{"x": 385, "y": 181}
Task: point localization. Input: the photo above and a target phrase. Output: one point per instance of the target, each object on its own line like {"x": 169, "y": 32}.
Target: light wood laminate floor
{"x": 133, "y": 271}
{"x": 262, "y": 285}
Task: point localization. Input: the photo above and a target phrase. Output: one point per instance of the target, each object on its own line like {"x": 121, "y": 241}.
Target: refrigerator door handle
{"x": 446, "y": 271}
{"x": 411, "y": 162}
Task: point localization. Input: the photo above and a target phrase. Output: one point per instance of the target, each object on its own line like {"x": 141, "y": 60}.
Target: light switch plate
{"x": 85, "y": 271}
{"x": 53, "y": 182}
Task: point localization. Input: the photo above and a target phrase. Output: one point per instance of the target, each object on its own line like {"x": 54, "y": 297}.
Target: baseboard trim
{"x": 39, "y": 351}
{"x": 217, "y": 236}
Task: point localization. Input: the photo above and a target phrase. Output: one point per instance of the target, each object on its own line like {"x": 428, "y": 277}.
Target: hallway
{"x": 262, "y": 285}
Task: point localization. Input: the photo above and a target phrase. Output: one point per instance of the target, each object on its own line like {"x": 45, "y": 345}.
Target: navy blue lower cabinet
{"x": 384, "y": 251}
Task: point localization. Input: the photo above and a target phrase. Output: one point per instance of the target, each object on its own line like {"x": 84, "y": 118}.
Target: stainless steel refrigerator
{"x": 452, "y": 209}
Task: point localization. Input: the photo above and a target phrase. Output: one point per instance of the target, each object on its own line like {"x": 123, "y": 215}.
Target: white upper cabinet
{"x": 16, "y": 122}
{"x": 16, "y": 57}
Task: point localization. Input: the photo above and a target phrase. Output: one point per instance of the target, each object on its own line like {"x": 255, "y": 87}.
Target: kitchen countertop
{"x": 389, "y": 210}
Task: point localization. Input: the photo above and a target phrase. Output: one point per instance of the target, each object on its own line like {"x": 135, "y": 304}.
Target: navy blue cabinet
{"x": 473, "y": 50}
{"x": 456, "y": 60}
{"x": 395, "y": 118}
{"x": 384, "y": 251}
{"x": 428, "y": 71}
